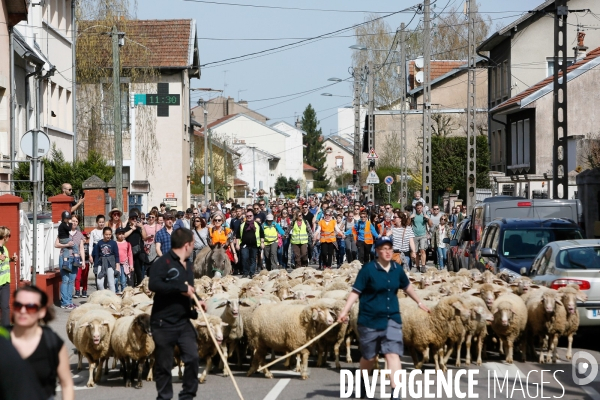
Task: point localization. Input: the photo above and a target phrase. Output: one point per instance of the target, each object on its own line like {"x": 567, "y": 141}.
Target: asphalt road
{"x": 324, "y": 383}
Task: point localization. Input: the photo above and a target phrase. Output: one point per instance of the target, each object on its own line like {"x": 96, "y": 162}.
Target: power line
{"x": 286, "y": 8}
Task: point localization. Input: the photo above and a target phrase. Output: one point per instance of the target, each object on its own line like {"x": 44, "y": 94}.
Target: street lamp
{"x": 334, "y": 79}
{"x": 332, "y": 95}
{"x": 358, "y": 47}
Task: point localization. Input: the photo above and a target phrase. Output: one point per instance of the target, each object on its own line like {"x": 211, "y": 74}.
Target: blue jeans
{"x": 282, "y": 253}
{"x": 68, "y": 282}
{"x": 442, "y": 256}
{"x": 121, "y": 283}
{"x": 316, "y": 254}
{"x": 341, "y": 243}
{"x": 249, "y": 260}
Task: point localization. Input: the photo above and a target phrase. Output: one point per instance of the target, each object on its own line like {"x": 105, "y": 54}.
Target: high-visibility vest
{"x": 299, "y": 233}
{"x": 5, "y": 268}
{"x": 270, "y": 233}
{"x": 327, "y": 231}
{"x": 219, "y": 235}
{"x": 256, "y": 231}
{"x": 368, "y": 235}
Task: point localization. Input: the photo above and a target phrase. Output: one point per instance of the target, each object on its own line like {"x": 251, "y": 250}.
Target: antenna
{"x": 225, "y": 80}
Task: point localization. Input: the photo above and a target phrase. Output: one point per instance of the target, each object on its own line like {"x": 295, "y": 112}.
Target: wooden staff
{"x": 320, "y": 335}
{"x": 217, "y": 346}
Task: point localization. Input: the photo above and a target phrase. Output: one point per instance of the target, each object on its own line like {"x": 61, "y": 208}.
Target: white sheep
{"x": 206, "y": 347}
{"x": 132, "y": 344}
{"x": 541, "y": 319}
{"x": 92, "y": 339}
{"x": 284, "y": 328}
{"x": 569, "y": 297}
{"x": 510, "y": 322}
{"x": 475, "y": 328}
{"x": 105, "y": 298}
{"x": 227, "y": 308}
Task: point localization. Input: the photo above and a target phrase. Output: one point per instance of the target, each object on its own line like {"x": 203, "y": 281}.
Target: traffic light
{"x": 354, "y": 176}
{"x": 371, "y": 164}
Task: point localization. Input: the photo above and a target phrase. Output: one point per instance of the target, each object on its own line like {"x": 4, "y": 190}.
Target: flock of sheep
{"x": 276, "y": 312}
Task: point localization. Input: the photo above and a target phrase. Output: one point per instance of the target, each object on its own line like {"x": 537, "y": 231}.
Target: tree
{"x": 58, "y": 171}
{"x": 286, "y": 185}
{"x": 314, "y": 152}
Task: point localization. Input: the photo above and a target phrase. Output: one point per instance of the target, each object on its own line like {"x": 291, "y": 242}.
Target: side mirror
{"x": 454, "y": 242}
{"x": 446, "y": 240}
{"x": 489, "y": 253}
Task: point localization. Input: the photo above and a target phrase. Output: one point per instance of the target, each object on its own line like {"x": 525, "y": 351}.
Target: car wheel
{"x": 450, "y": 266}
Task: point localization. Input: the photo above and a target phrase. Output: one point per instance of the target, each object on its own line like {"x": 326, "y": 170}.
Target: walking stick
{"x": 320, "y": 335}
{"x": 237, "y": 389}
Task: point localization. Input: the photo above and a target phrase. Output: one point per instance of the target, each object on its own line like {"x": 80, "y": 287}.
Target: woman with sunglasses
{"x": 441, "y": 232}
{"x": 5, "y": 260}
{"x": 327, "y": 229}
{"x": 200, "y": 235}
{"x": 385, "y": 227}
{"x": 37, "y": 344}
{"x": 219, "y": 234}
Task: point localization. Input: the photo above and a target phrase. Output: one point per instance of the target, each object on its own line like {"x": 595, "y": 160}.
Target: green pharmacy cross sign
{"x": 162, "y": 99}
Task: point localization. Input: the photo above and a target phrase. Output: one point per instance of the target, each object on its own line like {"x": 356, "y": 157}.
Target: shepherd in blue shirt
{"x": 379, "y": 323}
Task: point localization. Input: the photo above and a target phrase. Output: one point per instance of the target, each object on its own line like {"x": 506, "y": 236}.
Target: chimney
{"x": 229, "y": 105}
{"x": 298, "y": 123}
{"x": 243, "y": 103}
{"x": 580, "y": 49}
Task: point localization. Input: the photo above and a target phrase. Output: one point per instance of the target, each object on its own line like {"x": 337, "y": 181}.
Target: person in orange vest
{"x": 327, "y": 228}
{"x": 364, "y": 233}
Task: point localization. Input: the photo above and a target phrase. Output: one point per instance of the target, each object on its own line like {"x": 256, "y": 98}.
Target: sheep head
{"x": 97, "y": 330}
{"x": 142, "y": 324}
{"x": 323, "y": 315}
{"x": 233, "y": 306}
{"x": 549, "y": 300}
{"x": 504, "y": 313}
{"x": 479, "y": 313}
{"x": 216, "y": 327}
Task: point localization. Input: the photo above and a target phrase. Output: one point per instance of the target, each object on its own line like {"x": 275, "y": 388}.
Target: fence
{"x": 47, "y": 255}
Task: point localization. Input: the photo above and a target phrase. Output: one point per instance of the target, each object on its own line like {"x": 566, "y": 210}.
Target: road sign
{"x": 170, "y": 195}
{"x": 372, "y": 178}
{"x": 372, "y": 155}
{"x": 388, "y": 180}
{"x": 27, "y": 144}
{"x": 207, "y": 180}
{"x": 389, "y": 188}
{"x": 170, "y": 201}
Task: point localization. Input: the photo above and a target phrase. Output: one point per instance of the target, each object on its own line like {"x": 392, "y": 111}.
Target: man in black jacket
{"x": 171, "y": 314}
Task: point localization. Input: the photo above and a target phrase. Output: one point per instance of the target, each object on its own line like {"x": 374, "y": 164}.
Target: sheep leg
{"x": 304, "y": 374}
{"x": 140, "y": 371}
{"x": 225, "y": 351}
{"x": 450, "y": 349}
{"x": 126, "y": 369}
{"x": 113, "y": 366}
{"x": 554, "y": 349}
{"x": 259, "y": 358}
{"x": 150, "y": 376}
{"x": 320, "y": 351}
{"x": 336, "y": 352}
{"x": 509, "y": 352}
{"x": 92, "y": 367}
{"x": 438, "y": 357}
{"x": 458, "y": 350}
{"x": 417, "y": 364}
{"x": 569, "y": 351}
{"x": 202, "y": 377}
{"x": 348, "y": 355}
{"x": 99, "y": 370}
{"x": 298, "y": 364}
{"x": 468, "y": 349}
{"x": 79, "y": 361}
{"x": 480, "y": 344}
{"x": 542, "y": 358}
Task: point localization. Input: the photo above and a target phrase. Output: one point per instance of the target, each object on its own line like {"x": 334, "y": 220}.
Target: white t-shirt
{"x": 398, "y": 233}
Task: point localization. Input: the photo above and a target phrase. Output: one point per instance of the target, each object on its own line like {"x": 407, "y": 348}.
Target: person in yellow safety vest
{"x": 272, "y": 229}
{"x": 364, "y": 232}
{"x": 327, "y": 228}
{"x": 301, "y": 234}
{"x": 5, "y": 260}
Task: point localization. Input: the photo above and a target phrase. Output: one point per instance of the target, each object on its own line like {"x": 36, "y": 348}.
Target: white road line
{"x": 591, "y": 392}
{"x": 502, "y": 370}
{"x": 276, "y": 391}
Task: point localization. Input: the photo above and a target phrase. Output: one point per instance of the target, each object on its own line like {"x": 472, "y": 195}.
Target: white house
{"x": 293, "y": 149}
{"x": 339, "y": 156}
{"x": 345, "y": 117}
{"x": 257, "y": 166}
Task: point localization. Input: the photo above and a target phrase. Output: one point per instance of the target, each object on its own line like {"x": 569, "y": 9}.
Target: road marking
{"x": 502, "y": 370}
{"x": 276, "y": 391}
{"x": 591, "y": 392}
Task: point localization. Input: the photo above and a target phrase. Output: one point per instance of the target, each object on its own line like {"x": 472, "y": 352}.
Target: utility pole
{"x": 426, "y": 104}
{"x": 116, "y": 43}
{"x": 357, "y": 141}
{"x": 560, "y": 173}
{"x": 74, "y": 74}
{"x": 402, "y": 78}
{"x": 225, "y": 160}
{"x": 205, "y": 158}
{"x": 212, "y": 168}
{"x": 371, "y": 122}
{"x": 471, "y": 106}
{"x": 254, "y": 169}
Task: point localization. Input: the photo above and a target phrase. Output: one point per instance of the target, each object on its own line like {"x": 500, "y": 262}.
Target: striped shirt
{"x": 398, "y": 233}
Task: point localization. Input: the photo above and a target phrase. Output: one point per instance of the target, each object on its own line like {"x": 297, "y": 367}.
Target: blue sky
{"x": 298, "y": 69}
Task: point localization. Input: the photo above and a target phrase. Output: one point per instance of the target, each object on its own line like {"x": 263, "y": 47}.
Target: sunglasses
{"x": 435, "y": 209}
{"x": 153, "y": 217}
{"x": 29, "y": 308}
{"x": 195, "y": 213}
{"x": 218, "y": 220}
{"x": 197, "y": 220}
{"x": 69, "y": 190}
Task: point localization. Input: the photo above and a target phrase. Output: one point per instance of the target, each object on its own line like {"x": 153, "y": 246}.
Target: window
{"x": 526, "y": 243}
{"x": 550, "y": 64}
{"x": 520, "y": 143}
{"x": 339, "y": 162}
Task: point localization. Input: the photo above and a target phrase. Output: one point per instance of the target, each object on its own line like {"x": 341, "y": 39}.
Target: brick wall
{"x": 112, "y": 193}
{"x": 60, "y": 203}
{"x": 9, "y": 209}
{"x": 93, "y": 206}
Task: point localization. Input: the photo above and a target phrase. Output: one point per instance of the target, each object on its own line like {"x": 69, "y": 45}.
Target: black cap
{"x": 120, "y": 230}
{"x": 133, "y": 215}
{"x": 65, "y": 214}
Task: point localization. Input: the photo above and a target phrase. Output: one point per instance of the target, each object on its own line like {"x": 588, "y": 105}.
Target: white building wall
{"x": 346, "y": 122}
{"x": 293, "y": 150}
{"x": 261, "y": 163}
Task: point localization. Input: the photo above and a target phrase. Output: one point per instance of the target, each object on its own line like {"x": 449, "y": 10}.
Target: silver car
{"x": 572, "y": 261}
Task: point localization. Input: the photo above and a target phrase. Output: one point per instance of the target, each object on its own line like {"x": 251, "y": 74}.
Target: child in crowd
{"x": 106, "y": 259}
{"x": 126, "y": 261}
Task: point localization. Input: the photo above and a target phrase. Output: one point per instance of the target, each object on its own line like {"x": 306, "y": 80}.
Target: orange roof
{"x": 239, "y": 182}
{"x": 308, "y": 168}
{"x": 216, "y": 122}
{"x": 515, "y": 100}
{"x": 438, "y": 68}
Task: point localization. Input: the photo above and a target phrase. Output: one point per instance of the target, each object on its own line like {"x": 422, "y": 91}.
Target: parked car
{"x": 459, "y": 248}
{"x": 575, "y": 261}
{"x": 514, "y": 243}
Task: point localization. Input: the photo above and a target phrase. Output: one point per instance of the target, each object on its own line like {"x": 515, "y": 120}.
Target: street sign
{"x": 27, "y": 144}
{"x": 389, "y": 188}
{"x": 170, "y": 201}
{"x": 372, "y": 155}
{"x": 207, "y": 180}
{"x": 372, "y": 178}
{"x": 170, "y": 195}
{"x": 388, "y": 180}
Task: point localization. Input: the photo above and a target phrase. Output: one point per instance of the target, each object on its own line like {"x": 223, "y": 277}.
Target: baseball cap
{"x": 133, "y": 215}
{"x": 383, "y": 240}
{"x": 270, "y": 217}
{"x": 120, "y": 231}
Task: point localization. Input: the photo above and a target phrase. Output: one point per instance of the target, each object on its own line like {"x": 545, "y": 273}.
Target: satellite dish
{"x": 419, "y": 62}
{"x": 419, "y": 77}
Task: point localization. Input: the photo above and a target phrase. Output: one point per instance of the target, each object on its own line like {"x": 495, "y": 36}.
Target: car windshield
{"x": 579, "y": 258}
{"x": 526, "y": 243}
